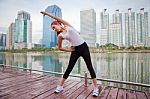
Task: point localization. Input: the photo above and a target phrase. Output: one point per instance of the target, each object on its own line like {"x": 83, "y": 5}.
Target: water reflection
{"x": 133, "y": 67}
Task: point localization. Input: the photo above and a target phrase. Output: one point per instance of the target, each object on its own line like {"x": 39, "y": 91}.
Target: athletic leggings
{"x": 81, "y": 50}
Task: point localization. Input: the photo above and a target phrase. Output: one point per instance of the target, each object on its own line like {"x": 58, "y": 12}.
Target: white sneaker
{"x": 58, "y": 89}
{"x": 95, "y": 92}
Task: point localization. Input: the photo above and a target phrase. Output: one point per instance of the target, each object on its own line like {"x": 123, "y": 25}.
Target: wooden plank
{"x": 8, "y": 73}
{"x": 91, "y": 97}
{"x": 32, "y": 75}
{"x": 147, "y": 95}
{"x": 9, "y": 81}
{"x": 49, "y": 92}
{"x": 121, "y": 94}
{"x": 45, "y": 91}
{"x": 13, "y": 71}
{"x": 4, "y": 97}
{"x": 104, "y": 93}
{"x": 24, "y": 80}
{"x": 86, "y": 92}
{"x": 16, "y": 84}
{"x": 17, "y": 90}
{"x": 5, "y": 75}
{"x": 66, "y": 88}
{"x": 140, "y": 95}
{"x": 131, "y": 94}
{"x": 36, "y": 89}
{"x": 13, "y": 79}
{"x": 77, "y": 92}
{"x": 66, "y": 93}
{"x": 21, "y": 85}
{"x": 113, "y": 93}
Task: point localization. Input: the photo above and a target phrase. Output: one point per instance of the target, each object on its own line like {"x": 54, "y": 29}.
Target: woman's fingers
{"x": 72, "y": 48}
{"x": 44, "y": 13}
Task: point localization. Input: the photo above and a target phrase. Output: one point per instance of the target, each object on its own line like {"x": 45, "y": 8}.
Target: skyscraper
{"x": 49, "y": 36}
{"x": 104, "y": 27}
{"x": 116, "y": 34}
{"x": 2, "y": 41}
{"x": 130, "y": 34}
{"x": 23, "y": 31}
{"x": 88, "y": 26}
{"x": 142, "y": 28}
{"x": 10, "y": 36}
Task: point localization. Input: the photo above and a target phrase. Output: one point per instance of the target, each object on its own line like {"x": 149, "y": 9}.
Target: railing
{"x": 85, "y": 76}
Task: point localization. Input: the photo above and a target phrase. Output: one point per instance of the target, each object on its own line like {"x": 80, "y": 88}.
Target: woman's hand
{"x": 67, "y": 49}
{"x": 72, "y": 48}
{"x": 48, "y": 14}
{"x": 44, "y": 13}
{"x": 56, "y": 18}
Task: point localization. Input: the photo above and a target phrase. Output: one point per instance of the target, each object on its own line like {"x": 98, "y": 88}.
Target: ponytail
{"x": 56, "y": 23}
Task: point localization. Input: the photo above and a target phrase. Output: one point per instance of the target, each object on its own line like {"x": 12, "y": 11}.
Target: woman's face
{"x": 56, "y": 28}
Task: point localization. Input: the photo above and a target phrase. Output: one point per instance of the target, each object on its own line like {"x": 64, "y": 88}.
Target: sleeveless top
{"x": 72, "y": 35}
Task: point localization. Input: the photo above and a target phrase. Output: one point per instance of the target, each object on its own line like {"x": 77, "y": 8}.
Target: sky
{"x": 70, "y": 11}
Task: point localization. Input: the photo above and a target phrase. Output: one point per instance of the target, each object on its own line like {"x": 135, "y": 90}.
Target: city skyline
{"x": 69, "y": 13}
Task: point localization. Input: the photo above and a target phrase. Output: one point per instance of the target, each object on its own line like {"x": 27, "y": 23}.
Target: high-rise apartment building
{"x": 2, "y": 41}
{"x": 116, "y": 34}
{"x": 49, "y": 36}
{"x": 130, "y": 29}
{"x": 104, "y": 27}
{"x": 23, "y": 31}
{"x": 10, "y": 37}
{"x": 142, "y": 28}
{"x": 88, "y": 26}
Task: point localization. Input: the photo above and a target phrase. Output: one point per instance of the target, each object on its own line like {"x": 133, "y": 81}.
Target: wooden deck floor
{"x": 16, "y": 84}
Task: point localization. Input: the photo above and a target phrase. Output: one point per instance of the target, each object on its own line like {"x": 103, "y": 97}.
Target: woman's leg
{"x": 73, "y": 58}
{"x": 95, "y": 82}
{"x": 62, "y": 81}
{"x": 87, "y": 58}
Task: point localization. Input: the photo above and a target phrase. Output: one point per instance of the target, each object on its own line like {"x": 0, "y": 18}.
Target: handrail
{"x": 101, "y": 79}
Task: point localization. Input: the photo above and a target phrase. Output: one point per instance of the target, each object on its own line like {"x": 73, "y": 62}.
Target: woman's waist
{"x": 80, "y": 45}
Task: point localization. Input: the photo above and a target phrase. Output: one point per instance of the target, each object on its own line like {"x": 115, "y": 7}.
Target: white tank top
{"x": 72, "y": 35}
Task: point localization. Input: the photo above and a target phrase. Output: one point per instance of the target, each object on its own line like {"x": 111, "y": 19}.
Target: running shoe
{"x": 58, "y": 89}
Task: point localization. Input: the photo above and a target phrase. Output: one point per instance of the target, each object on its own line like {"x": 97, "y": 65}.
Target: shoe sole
{"x": 57, "y": 92}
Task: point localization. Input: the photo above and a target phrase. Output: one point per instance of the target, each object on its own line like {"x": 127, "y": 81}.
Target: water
{"x": 132, "y": 67}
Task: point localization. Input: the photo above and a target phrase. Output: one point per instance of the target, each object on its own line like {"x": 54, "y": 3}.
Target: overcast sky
{"x": 70, "y": 10}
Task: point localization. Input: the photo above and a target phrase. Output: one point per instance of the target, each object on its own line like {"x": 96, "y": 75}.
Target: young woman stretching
{"x": 79, "y": 48}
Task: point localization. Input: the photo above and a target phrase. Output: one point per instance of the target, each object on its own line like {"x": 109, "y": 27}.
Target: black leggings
{"x": 81, "y": 50}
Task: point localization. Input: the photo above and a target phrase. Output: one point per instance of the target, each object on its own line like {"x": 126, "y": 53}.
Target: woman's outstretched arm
{"x": 60, "y": 38}
{"x": 56, "y": 18}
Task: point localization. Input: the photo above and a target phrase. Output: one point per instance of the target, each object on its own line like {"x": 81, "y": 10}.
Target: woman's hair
{"x": 57, "y": 23}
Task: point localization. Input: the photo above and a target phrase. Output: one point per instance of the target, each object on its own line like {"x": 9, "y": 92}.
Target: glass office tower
{"x": 23, "y": 31}
{"x": 49, "y": 36}
{"x": 88, "y": 26}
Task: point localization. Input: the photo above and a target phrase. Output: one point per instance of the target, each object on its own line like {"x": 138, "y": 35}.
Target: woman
{"x": 79, "y": 48}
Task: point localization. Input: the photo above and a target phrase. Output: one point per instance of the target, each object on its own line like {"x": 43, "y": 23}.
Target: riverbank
{"x": 92, "y": 50}
{"x": 120, "y": 51}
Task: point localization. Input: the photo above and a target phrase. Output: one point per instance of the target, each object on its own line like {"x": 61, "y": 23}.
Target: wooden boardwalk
{"x": 17, "y": 84}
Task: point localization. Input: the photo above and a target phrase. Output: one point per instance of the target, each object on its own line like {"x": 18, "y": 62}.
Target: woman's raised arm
{"x": 56, "y": 18}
